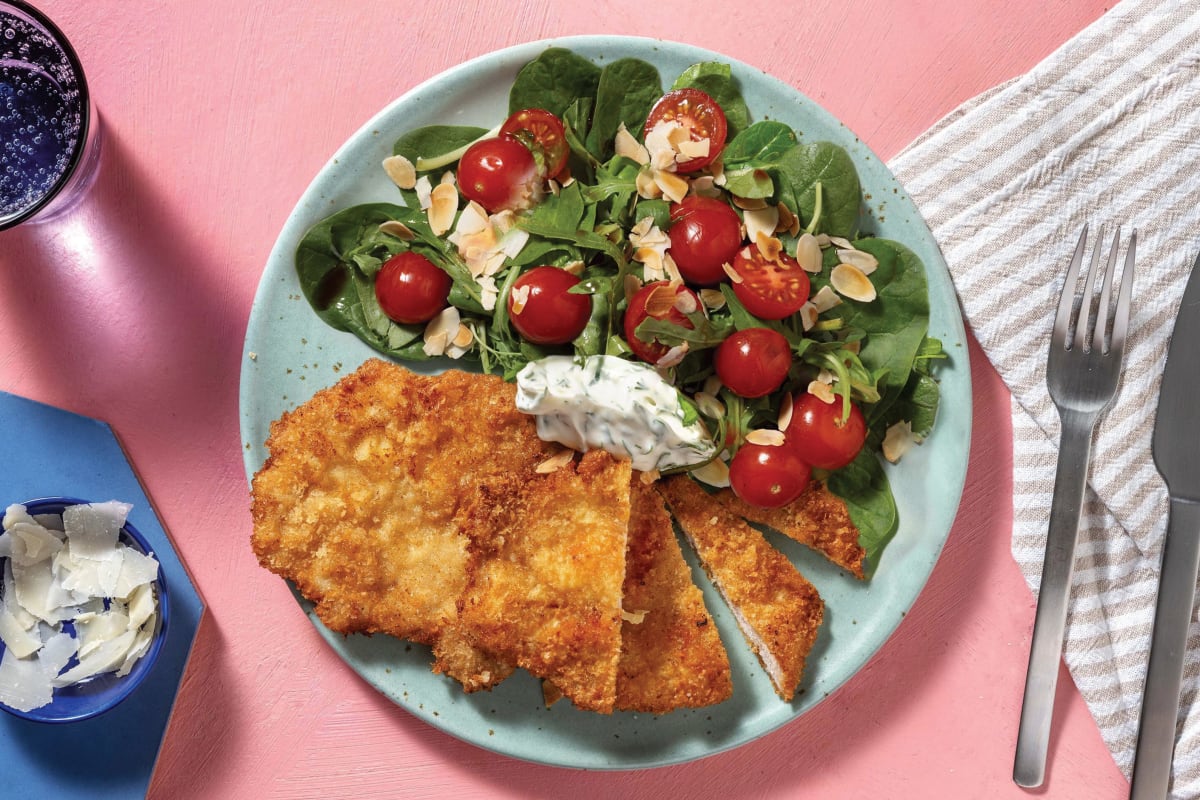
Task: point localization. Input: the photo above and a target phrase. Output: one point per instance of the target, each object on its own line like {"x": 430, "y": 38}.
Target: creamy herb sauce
{"x": 608, "y": 403}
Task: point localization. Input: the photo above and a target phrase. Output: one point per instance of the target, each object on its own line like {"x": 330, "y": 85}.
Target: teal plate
{"x": 290, "y": 354}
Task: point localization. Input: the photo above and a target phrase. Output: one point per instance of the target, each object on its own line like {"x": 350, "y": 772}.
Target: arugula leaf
{"x": 553, "y": 81}
{"x": 627, "y": 89}
{"x": 715, "y": 79}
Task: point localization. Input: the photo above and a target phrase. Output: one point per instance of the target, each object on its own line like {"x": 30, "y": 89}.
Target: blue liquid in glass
{"x": 41, "y": 115}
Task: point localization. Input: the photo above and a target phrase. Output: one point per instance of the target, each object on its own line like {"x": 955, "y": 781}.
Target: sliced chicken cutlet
{"x": 817, "y": 518}
{"x": 671, "y": 653}
{"x": 777, "y": 609}
{"x": 547, "y": 563}
{"x": 357, "y": 499}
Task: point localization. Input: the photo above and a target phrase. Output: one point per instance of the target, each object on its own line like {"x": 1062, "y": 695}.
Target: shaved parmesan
{"x": 72, "y": 568}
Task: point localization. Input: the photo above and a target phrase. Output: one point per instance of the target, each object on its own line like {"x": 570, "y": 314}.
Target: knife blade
{"x": 1176, "y": 448}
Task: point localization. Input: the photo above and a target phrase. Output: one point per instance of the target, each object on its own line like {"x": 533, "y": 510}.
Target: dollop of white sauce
{"x": 608, "y": 403}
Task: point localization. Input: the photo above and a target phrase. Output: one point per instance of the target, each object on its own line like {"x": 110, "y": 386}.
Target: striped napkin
{"x": 1105, "y": 130}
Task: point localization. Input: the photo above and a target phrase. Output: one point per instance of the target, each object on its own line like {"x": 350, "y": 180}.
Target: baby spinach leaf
{"x": 561, "y": 212}
{"x": 716, "y": 80}
{"x": 553, "y": 81}
{"x": 435, "y": 140}
{"x": 627, "y": 89}
{"x": 864, "y": 487}
{"x": 750, "y": 182}
{"x": 805, "y": 166}
{"x": 762, "y": 144}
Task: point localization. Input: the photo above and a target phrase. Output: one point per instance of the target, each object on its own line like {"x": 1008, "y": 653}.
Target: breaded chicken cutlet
{"x": 545, "y": 574}
{"x": 671, "y": 653}
{"x": 776, "y": 608}
{"x": 356, "y": 502}
{"x": 818, "y": 519}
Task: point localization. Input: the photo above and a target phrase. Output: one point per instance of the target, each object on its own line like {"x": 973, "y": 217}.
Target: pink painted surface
{"x": 217, "y": 116}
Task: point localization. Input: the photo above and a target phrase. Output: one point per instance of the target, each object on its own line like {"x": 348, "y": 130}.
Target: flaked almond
{"x": 626, "y": 144}
{"x": 441, "y": 330}
{"x": 401, "y": 171}
{"x": 574, "y": 268}
{"x": 825, "y": 376}
{"x": 808, "y": 253}
{"x": 749, "y": 203}
{"x": 424, "y": 190}
{"x": 731, "y": 272}
{"x": 898, "y": 440}
{"x": 448, "y": 177}
{"x": 673, "y": 356}
{"x": 709, "y": 405}
{"x": 788, "y": 221}
{"x": 649, "y": 476}
{"x": 671, "y": 269}
{"x": 443, "y": 205}
{"x": 865, "y": 262}
{"x": 674, "y": 188}
{"x": 786, "y": 408}
{"x": 705, "y": 185}
{"x": 519, "y": 295}
{"x": 841, "y": 242}
{"x": 689, "y": 149}
{"x": 714, "y": 473}
{"x": 771, "y": 248}
{"x": 555, "y": 462}
{"x": 660, "y": 301}
{"x": 765, "y": 437}
{"x": 712, "y": 385}
{"x": 808, "y": 315}
{"x": 632, "y": 284}
{"x": 825, "y": 299}
{"x": 761, "y": 221}
{"x": 633, "y": 617}
{"x": 646, "y": 186}
{"x": 685, "y": 303}
{"x": 712, "y": 298}
{"x": 394, "y": 227}
{"x": 822, "y": 391}
{"x": 464, "y": 337}
{"x": 488, "y": 291}
{"x": 473, "y": 220}
{"x": 849, "y": 281}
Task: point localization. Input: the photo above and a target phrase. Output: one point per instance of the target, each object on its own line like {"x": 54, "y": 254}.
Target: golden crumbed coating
{"x": 356, "y": 501}
{"x": 818, "y": 519}
{"x": 778, "y": 610}
{"x": 547, "y": 563}
{"x": 673, "y": 658}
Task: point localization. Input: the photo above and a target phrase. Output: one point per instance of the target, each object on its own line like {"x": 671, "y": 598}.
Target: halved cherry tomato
{"x": 753, "y": 362}
{"x": 537, "y": 127}
{"x": 701, "y": 115}
{"x": 657, "y": 300}
{"x": 547, "y": 312}
{"x": 818, "y": 435}
{"x": 411, "y": 289}
{"x": 769, "y": 476}
{"x": 705, "y": 234}
{"x": 499, "y": 173}
{"x": 769, "y": 289}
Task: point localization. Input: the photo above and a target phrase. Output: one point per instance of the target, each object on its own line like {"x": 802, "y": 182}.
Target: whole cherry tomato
{"x": 768, "y": 476}
{"x": 753, "y": 362}
{"x": 411, "y": 289}
{"x": 705, "y": 235}
{"x": 654, "y": 300}
{"x": 499, "y": 174}
{"x": 547, "y": 312}
{"x": 818, "y": 434}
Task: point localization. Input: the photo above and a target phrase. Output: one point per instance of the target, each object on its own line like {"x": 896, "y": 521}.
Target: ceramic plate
{"x": 290, "y": 354}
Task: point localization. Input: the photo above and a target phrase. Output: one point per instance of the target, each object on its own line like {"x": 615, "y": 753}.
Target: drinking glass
{"x": 49, "y": 129}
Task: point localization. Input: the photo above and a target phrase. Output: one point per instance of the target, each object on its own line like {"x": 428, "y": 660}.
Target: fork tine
{"x": 1121, "y": 320}
{"x": 1066, "y": 300}
{"x": 1106, "y": 295}
{"x": 1089, "y": 292}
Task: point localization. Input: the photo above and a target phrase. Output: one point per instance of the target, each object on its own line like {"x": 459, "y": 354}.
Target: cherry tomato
{"x": 701, "y": 115}
{"x": 550, "y": 314}
{"x": 818, "y": 435}
{"x": 769, "y": 476}
{"x": 411, "y": 289}
{"x": 499, "y": 173}
{"x": 769, "y": 289}
{"x": 540, "y": 128}
{"x": 661, "y": 306}
{"x": 705, "y": 234}
{"x": 753, "y": 362}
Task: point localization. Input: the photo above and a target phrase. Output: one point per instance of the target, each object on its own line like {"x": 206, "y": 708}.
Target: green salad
{"x": 610, "y": 215}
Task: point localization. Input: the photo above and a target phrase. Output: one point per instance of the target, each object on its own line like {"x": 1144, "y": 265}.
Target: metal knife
{"x": 1177, "y": 456}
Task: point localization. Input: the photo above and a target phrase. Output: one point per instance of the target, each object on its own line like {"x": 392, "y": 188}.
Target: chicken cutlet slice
{"x": 818, "y": 519}
{"x": 547, "y": 563}
{"x": 672, "y": 657}
{"x": 356, "y": 501}
{"x": 777, "y": 609}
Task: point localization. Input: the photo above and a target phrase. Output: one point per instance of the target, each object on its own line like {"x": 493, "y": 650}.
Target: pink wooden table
{"x": 217, "y": 115}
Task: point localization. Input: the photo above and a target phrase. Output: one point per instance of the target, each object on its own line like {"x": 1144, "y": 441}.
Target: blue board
{"x": 48, "y": 451}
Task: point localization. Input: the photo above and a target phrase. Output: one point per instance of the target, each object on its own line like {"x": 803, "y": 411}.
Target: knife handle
{"x": 1168, "y": 646}
{"x": 1050, "y": 622}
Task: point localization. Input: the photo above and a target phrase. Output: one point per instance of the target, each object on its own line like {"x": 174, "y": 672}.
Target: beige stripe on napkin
{"x": 1105, "y": 130}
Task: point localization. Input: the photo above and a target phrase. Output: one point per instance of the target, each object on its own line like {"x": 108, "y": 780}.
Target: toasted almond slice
{"x": 825, "y": 299}
{"x": 685, "y": 303}
{"x": 443, "y": 206}
{"x": 786, "y": 407}
{"x": 714, "y": 473}
{"x": 712, "y": 298}
{"x": 448, "y": 177}
{"x": 401, "y": 171}
{"x": 788, "y": 221}
{"x": 649, "y": 476}
{"x": 464, "y": 337}
{"x": 731, "y": 272}
{"x": 771, "y": 248}
{"x": 709, "y": 405}
{"x": 671, "y": 269}
{"x": 473, "y": 220}
{"x": 672, "y": 356}
{"x": 849, "y": 281}
{"x": 394, "y": 227}
{"x": 689, "y": 149}
{"x": 826, "y": 377}
{"x": 424, "y": 189}
{"x": 435, "y": 344}
{"x": 841, "y": 242}
{"x": 865, "y": 262}
{"x": 898, "y": 440}
{"x": 705, "y": 185}
{"x": 761, "y": 222}
{"x": 660, "y": 301}
{"x": 519, "y": 295}
{"x": 749, "y": 203}
{"x": 712, "y": 385}
{"x": 633, "y": 617}
{"x": 808, "y": 253}
{"x": 647, "y": 188}
{"x": 674, "y": 188}
{"x": 808, "y": 315}
{"x": 488, "y": 291}
{"x": 632, "y": 284}
{"x": 555, "y": 462}
{"x": 627, "y": 145}
{"x": 440, "y": 330}
{"x": 765, "y": 437}
{"x": 822, "y": 391}
{"x": 574, "y": 268}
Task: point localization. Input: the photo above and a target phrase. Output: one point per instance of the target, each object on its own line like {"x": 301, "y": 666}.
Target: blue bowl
{"x": 101, "y": 692}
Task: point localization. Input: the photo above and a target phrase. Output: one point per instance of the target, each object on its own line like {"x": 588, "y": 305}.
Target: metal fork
{"x": 1082, "y": 374}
